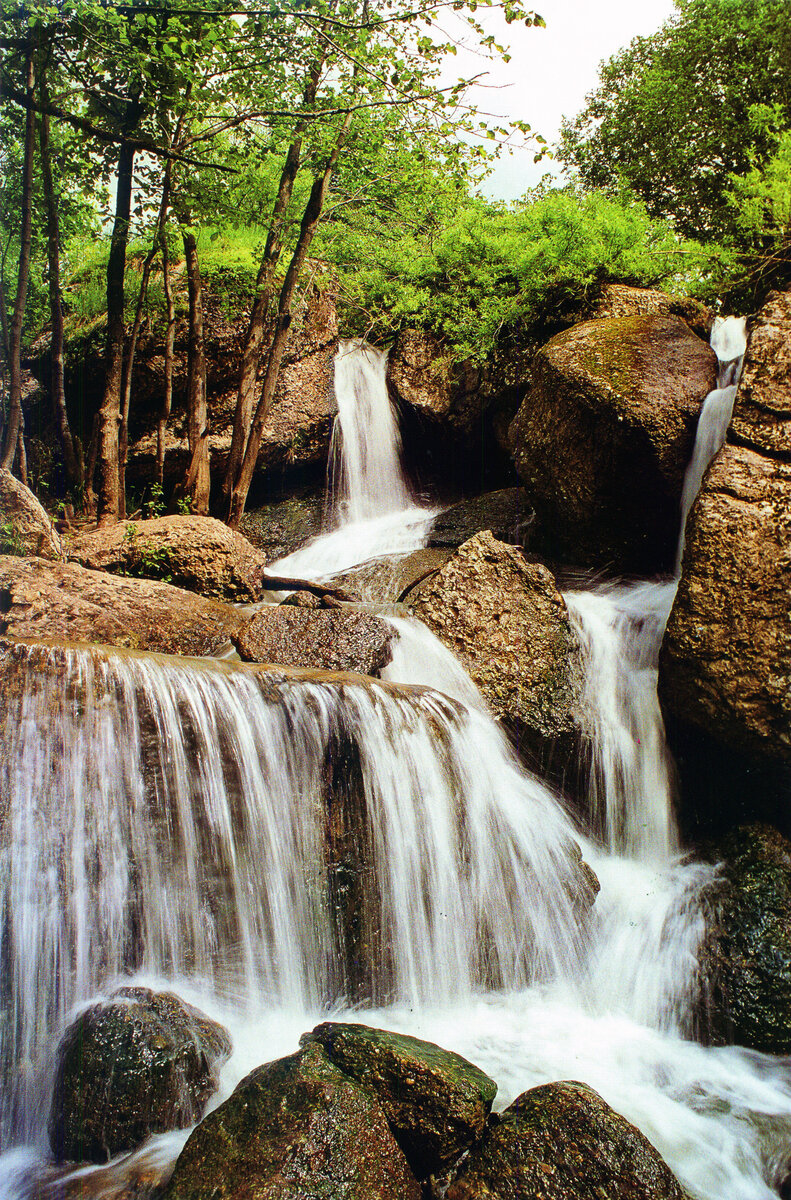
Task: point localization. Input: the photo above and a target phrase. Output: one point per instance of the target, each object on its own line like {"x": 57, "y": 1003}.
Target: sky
{"x": 552, "y": 70}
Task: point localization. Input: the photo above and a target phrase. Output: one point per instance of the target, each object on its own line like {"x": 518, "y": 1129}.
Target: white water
{"x": 222, "y": 871}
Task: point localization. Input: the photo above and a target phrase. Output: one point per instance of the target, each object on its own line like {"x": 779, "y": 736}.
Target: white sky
{"x": 552, "y": 70}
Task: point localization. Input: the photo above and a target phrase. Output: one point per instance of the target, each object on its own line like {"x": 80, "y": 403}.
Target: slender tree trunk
{"x": 251, "y": 355}
{"x": 129, "y": 363}
{"x": 15, "y": 417}
{"x": 197, "y": 482}
{"x": 70, "y": 457}
{"x": 310, "y": 221}
{"x": 170, "y": 341}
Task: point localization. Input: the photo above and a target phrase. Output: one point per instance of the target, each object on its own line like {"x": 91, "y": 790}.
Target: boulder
{"x": 603, "y": 437}
{"x": 328, "y": 639}
{"x": 505, "y": 513}
{"x": 562, "y": 1141}
{"x": 197, "y": 553}
{"x": 280, "y": 528}
{"x": 620, "y": 300}
{"x": 25, "y": 527}
{"x": 389, "y": 579}
{"x": 745, "y": 958}
{"x": 139, "y": 1063}
{"x": 435, "y": 1101}
{"x": 725, "y": 666}
{"x": 295, "y": 1129}
{"x": 504, "y": 618}
{"x": 43, "y": 600}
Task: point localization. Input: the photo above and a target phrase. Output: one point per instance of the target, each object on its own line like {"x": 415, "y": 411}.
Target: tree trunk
{"x": 71, "y": 459}
{"x": 251, "y": 355}
{"x": 198, "y": 481}
{"x": 310, "y": 221}
{"x": 15, "y": 418}
{"x": 129, "y": 364}
{"x": 170, "y": 341}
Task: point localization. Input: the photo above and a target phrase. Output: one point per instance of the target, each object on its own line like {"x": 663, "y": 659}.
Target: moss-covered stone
{"x": 141, "y": 1063}
{"x": 745, "y": 960}
{"x": 435, "y": 1101}
{"x": 295, "y": 1129}
{"x": 562, "y": 1141}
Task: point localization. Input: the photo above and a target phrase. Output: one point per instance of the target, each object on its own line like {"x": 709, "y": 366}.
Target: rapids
{"x": 166, "y": 821}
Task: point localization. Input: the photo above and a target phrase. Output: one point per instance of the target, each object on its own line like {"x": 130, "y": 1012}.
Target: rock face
{"x": 619, "y": 300}
{"x": 505, "y": 513}
{"x": 281, "y": 528}
{"x": 726, "y": 659}
{"x": 604, "y": 435}
{"x": 141, "y": 1063}
{"x": 563, "y": 1142}
{"x": 25, "y": 527}
{"x": 40, "y": 599}
{"x": 334, "y": 639}
{"x": 436, "y": 1102}
{"x": 507, "y": 622}
{"x": 745, "y": 959}
{"x": 197, "y": 553}
{"x": 296, "y": 1129}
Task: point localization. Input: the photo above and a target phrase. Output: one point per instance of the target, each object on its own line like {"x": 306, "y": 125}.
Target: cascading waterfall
{"x": 169, "y": 821}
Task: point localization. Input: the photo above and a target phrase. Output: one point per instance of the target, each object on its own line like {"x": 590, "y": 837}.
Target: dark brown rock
{"x": 295, "y": 1129}
{"x": 620, "y": 300}
{"x": 25, "y": 527}
{"x": 197, "y": 553}
{"x": 336, "y": 639}
{"x": 604, "y": 435}
{"x": 563, "y": 1142}
{"x": 142, "y": 1062}
{"x": 505, "y": 513}
{"x": 388, "y": 579}
{"x": 745, "y": 958}
{"x": 762, "y": 417}
{"x": 435, "y": 1101}
{"x": 43, "y": 600}
{"x": 282, "y": 527}
{"x": 506, "y": 621}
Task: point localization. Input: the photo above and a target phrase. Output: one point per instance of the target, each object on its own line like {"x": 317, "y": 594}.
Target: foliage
{"x": 671, "y": 115}
{"x": 761, "y": 200}
{"x": 146, "y": 559}
{"x": 10, "y": 539}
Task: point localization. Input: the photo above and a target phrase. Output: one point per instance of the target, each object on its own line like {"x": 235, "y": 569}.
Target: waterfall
{"x": 371, "y": 506}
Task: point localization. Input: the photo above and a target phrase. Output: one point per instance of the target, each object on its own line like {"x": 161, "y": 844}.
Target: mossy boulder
{"x": 435, "y": 1101}
{"x": 562, "y": 1141}
{"x": 295, "y": 1129}
{"x": 603, "y": 437}
{"x": 142, "y": 1062}
{"x": 745, "y": 959}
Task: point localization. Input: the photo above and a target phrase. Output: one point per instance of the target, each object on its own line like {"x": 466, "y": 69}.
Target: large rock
{"x": 25, "y": 527}
{"x": 435, "y": 1101}
{"x": 295, "y": 1129}
{"x": 43, "y": 600}
{"x": 604, "y": 435}
{"x": 197, "y": 553}
{"x": 142, "y": 1062}
{"x": 745, "y": 958}
{"x": 620, "y": 300}
{"x": 280, "y": 528}
{"x": 725, "y": 665}
{"x": 329, "y": 639}
{"x": 388, "y": 579}
{"x": 562, "y": 1141}
{"x": 505, "y": 620}
{"x": 505, "y": 513}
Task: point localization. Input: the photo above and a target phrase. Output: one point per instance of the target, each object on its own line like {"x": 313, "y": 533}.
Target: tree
{"x": 671, "y": 115}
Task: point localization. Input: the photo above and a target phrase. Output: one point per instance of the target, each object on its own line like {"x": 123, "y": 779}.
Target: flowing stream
{"x": 168, "y": 821}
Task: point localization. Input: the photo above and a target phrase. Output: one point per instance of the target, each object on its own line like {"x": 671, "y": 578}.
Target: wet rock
{"x": 25, "y": 527}
{"x": 43, "y": 600}
{"x": 562, "y": 1141}
{"x": 620, "y": 300}
{"x": 335, "y": 639}
{"x": 295, "y": 1129}
{"x": 197, "y": 553}
{"x": 142, "y": 1062}
{"x": 506, "y": 621}
{"x": 435, "y": 1101}
{"x": 725, "y": 665}
{"x": 745, "y": 959}
{"x": 505, "y": 513}
{"x": 604, "y": 435}
{"x": 280, "y": 528}
{"x": 388, "y": 579}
